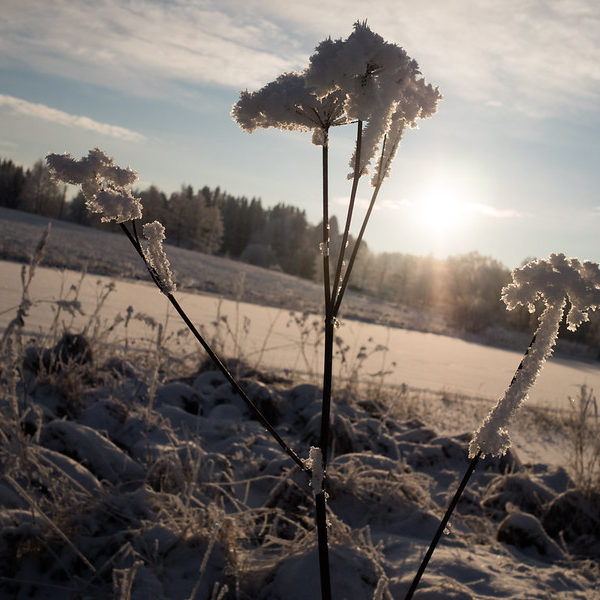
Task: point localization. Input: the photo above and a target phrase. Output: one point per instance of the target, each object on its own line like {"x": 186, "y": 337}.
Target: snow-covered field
{"x": 271, "y": 338}
{"x": 132, "y": 474}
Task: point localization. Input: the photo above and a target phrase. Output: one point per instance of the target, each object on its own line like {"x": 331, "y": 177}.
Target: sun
{"x": 441, "y": 210}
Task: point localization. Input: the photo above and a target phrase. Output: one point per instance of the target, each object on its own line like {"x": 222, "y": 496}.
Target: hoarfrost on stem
{"x": 315, "y": 463}
{"x": 362, "y": 78}
{"x": 552, "y": 280}
{"x": 105, "y": 186}
{"x": 155, "y": 256}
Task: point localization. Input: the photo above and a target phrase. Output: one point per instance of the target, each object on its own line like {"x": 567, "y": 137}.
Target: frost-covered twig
{"x": 553, "y": 281}
{"x": 106, "y": 188}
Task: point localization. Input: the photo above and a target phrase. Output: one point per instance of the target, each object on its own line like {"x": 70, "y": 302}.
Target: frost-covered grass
{"x": 139, "y": 474}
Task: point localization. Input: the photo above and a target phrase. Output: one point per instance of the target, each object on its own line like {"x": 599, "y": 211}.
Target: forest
{"x": 466, "y": 288}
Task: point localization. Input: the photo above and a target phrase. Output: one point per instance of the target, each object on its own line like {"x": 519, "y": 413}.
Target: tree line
{"x": 465, "y": 289}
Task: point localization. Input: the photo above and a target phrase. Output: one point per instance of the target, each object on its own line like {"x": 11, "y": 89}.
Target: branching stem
{"x": 357, "y": 173}
{"x": 133, "y": 238}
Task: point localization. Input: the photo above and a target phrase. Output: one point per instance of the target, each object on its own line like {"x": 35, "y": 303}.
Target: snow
{"x": 170, "y": 496}
{"x": 425, "y": 361}
{"x": 122, "y": 474}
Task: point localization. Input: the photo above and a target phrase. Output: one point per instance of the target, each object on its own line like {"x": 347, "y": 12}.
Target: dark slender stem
{"x": 327, "y": 386}
{"x": 459, "y": 491}
{"x": 325, "y": 242}
{"x": 321, "y": 507}
{"x": 344, "y": 284}
{"x": 216, "y": 360}
{"x": 338, "y": 272}
{"x": 320, "y": 498}
{"x": 442, "y": 526}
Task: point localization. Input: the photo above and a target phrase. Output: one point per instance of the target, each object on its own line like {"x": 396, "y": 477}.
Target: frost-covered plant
{"x": 105, "y": 186}
{"x": 361, "y": 79}
{"x": 553, "y": 281}
{"x": 106, "y": 189}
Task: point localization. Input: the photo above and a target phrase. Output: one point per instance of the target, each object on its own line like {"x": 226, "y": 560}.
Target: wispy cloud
{"x": 491, "y": 211}
{"x": 147, "y": 47}
{"x": 46, "y": 113}
{"x": 515, "y": 56}
{"x": 524, "y": 56}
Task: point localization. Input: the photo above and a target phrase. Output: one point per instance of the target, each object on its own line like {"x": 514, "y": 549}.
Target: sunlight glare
{"x": 441, "y": 210}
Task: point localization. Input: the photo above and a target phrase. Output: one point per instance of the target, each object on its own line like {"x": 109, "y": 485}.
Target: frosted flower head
{"x": 361, "y": 78}
{"x": 553, "y": 279}
{"x": 379, "y": 80}
{"x": 157, "y": 259}
{"x": 105, "y": 186}
{"x": 288, "y": 103}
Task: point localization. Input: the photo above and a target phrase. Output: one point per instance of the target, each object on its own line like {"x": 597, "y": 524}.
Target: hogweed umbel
{"x": 375, "y": 84}
{"x": 553, "y": 281}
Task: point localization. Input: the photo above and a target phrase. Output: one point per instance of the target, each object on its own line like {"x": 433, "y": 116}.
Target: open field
{"x": 270, "y": 339}
{"x": 134, "y": 472}
{"x": 76, "y": 247}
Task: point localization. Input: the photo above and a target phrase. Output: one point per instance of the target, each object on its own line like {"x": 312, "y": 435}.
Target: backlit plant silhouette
{"x": 375, "y": 84}
{"x": 362, "y": 80}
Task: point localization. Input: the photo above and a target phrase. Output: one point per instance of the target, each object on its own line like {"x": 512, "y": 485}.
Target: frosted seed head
{"x": 105, "y": 186}
{"x": 551, "y": 280}
{"x": 360, "y": 78}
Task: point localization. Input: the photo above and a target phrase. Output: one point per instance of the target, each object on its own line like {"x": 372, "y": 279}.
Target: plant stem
{"x": 321, "y": 508}
{"x": 442, "y": 526}
{"x": 344, "y": 284}
{"x": 338, "y": 272}
{"x": 216, "y": 360}
{"x": 457, "y": 495}
{"x": 320, "y": 498}
{"x": 325, "y": 242}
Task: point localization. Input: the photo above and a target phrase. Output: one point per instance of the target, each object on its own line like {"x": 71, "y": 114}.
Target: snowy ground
{"x": 132, "y": 472}
{"x": 271, "y": 338}
{"x": 116, "y": 487}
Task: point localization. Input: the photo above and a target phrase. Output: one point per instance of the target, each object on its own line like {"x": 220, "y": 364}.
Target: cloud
{"x": 46, "y": 113}
{"x": 521, "y": 56}
{"x": 147, "y": 47}
{"x": 534, "y": 58}
{"x": 491, "y": 211}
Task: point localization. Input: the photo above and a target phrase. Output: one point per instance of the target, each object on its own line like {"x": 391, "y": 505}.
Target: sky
{"x": 508, "y": 167}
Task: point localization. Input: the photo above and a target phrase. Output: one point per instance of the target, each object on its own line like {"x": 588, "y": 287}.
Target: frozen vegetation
{"x": 150, "y": 479}
{"x": 152, "y": 470}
